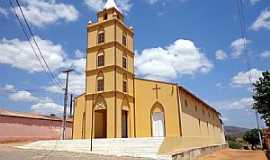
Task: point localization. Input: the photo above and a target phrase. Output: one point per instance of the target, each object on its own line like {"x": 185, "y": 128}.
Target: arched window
{"x": 100, "y": 82}
{"x": 101, "y": 36}
{"x": 125, "y": 83}
{"x": 105, "y": 17}
{"x": 124, "y": 39}
{"x": 100, "y": 58}
{"x": 124, "y": 61}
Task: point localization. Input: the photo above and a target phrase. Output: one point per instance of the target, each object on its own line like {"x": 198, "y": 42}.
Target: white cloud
{"x": 46, "y": 108}
{"x": 244, "y": 103}
{"x": 23, "y": 96}
{"x": 16, "y": 95}
{"x": 55, "y": 58}
{"x": 238, "y": 46}
{"x": 219, "y": 85}
{"x": 41, "y": 105}
{"x": 76, "y": 78}
{"x": 19, "y": 54}
{"x": 79, "y": 54}
{"x": 45, "y": 12}
{"x": 263, "y": 21}
{"x": 265, "y": 54}
{"x": 180, "y": 58}
{"x": 253, "y": 2}
{"x": 245, "y": 78}
{"x": 224, "y": 119}
{"x": 152, "y": 1}
{"x": 3, "y": 11}
{"x": 221, "y": 55}
{"x": 97, "y": 5}
{"x": 9, "y": 88}
{"x": 163, "y": 1}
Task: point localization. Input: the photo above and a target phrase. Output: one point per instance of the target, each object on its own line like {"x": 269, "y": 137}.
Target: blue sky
{"x": 196, "y": 44}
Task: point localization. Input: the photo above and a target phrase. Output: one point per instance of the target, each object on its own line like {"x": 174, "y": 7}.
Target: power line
{"x": 48, "y": 70}
{"x": 34, "y": 39}
{"x": 240, "y": 8}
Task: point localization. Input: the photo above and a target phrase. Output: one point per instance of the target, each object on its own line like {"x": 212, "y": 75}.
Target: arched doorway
{"x": 158, "y": 120}
{"x": 125, "y": 118}
{"x": 100, "y": 118}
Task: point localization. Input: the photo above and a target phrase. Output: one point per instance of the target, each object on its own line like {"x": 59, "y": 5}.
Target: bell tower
{"x": 109, "y": 76}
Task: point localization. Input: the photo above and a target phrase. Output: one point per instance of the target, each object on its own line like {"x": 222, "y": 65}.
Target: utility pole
{"x": 71, "y": 105}
{"x": 65, "y": 103}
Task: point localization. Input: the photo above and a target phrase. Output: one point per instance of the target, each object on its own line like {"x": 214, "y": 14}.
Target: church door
{"x": 124, "y": 124}
{"x": 158, "y": 124}
{"x": 100, "y": 124}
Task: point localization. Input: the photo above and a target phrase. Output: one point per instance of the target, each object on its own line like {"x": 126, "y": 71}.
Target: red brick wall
{"x": 28, "y": 129}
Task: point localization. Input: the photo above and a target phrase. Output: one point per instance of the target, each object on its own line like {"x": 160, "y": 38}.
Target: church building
{"x": 117, "y": 104}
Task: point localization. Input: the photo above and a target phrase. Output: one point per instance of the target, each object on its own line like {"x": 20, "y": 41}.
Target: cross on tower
{"x": 156, "y": 89}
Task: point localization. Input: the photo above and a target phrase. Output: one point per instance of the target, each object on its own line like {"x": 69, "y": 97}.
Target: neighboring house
{"x": 16, "y": 126}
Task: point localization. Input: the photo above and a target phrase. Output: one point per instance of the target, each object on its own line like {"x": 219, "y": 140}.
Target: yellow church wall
{"x": 130, "y": 59}
{"x": 120, "y": 30}
{"x": 110, "y": 115}
{"x": 92, "y": 57}
{"x": 191, "y": 117}
{"x": 91, "y": 80}
{"x": 78, "y": 114}
{"x": 111, "y": 13}
{"x": 176, "y": 144}
{"x": 130, "y": 108}
{"x": 145, "y": 98}
{"x": 93, "y": 30}
{"x": 119, "y": 82}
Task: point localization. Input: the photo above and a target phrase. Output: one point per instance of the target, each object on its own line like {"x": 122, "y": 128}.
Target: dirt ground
{"x": 230, "y": 154}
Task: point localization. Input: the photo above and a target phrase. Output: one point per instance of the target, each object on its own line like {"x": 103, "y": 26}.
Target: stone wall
{"x": 14, "y": 129}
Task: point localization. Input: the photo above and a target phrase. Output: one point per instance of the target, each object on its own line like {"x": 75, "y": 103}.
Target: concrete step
{"x": 133, "y": 147}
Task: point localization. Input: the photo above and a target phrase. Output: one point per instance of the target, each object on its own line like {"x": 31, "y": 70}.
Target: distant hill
{"x": 235, "y": 131}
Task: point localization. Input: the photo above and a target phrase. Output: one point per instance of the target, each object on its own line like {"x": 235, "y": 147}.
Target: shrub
{"x": 235, "y": 145}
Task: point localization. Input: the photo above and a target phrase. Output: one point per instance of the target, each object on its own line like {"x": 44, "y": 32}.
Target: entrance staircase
{"x": 132, "y": 147}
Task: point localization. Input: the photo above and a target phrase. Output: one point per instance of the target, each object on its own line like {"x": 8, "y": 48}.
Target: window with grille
{"x": 101, "y": 37}
{"x": 125, "y": 86}
{"x": 124, "y": 39}
{"x": 124, "y": 62}
{"x": 100, "y": 60}
{"x": 100, "y": 86}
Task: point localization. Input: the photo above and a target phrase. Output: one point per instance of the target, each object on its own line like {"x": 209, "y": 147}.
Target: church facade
{"x": 116, "y": 104}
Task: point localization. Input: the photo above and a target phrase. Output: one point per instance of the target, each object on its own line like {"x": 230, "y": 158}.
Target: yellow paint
{"x": 188, "y": 121}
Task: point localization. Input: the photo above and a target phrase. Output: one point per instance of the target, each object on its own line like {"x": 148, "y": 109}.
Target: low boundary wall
{"x": 190, "y": 154}
{"x": 18, "y": 129}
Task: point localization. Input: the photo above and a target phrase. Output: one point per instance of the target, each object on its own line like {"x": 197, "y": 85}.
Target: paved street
{"x": 8, "y": 152}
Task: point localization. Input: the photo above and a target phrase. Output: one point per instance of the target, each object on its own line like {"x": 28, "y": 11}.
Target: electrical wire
{"x": 45, "y": 68}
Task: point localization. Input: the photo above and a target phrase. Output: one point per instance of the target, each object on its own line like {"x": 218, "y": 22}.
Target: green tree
{"x": 262, "y": 97}
{"x": 252, "y": 137}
